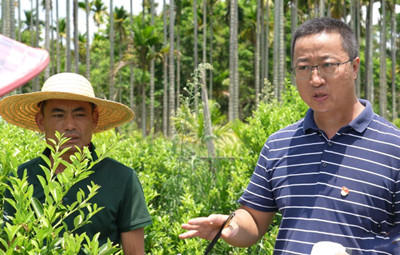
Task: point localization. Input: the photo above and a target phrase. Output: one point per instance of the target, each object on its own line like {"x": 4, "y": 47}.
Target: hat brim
{"x": 20, "y": 110}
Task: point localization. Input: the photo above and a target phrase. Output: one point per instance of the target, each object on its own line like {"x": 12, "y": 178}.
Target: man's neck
{"x": 330, "y": 123}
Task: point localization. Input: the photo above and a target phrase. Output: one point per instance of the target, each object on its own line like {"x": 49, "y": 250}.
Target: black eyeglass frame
{"x": 317, "y": 67}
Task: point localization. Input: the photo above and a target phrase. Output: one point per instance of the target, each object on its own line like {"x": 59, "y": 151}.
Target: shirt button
{"x": 65, "y": 199}
{"x": 329, "y": 143}
{"x": 324, "y": 164}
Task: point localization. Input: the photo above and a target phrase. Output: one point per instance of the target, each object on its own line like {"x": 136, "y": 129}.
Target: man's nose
{"x": 314, "y": 68}
{"x": 315, "y": 77}
{"x": 69, "y": 122}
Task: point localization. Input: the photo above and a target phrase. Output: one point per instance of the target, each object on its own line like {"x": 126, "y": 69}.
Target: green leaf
{"x": 78, "y": 221}
{"x": 11, "y": 230}
{"x": 37, "y": 207}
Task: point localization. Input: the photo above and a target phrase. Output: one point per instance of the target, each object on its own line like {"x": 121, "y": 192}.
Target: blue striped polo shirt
{"x": 301, "y": 173}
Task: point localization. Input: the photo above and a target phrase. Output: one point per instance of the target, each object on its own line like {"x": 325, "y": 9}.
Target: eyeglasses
{"x": 324, "y": 70}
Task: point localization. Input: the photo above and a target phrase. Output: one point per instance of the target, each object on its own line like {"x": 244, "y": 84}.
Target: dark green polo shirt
{"x": 120, "y": 194}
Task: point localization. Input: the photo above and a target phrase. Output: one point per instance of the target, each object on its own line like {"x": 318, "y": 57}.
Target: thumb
{"x": 230, "y": 231}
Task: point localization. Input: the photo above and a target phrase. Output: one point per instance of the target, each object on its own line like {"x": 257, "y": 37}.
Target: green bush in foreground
{"x": 38, "y": 228}
{"x": 178, "y": 179}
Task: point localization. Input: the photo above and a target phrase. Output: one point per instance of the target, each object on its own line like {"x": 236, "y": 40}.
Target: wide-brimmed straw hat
{"x": 21, "y": 109}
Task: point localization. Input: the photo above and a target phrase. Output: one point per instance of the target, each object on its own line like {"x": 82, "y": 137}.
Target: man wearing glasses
{"x": 333, "y": 175}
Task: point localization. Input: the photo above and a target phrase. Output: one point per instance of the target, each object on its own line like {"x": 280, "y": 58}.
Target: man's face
{"x": 331, "y": 94}
{"x": 75, "y": 119}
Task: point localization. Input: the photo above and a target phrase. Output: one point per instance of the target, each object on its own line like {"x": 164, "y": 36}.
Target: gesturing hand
{"x": 207, "y": 227}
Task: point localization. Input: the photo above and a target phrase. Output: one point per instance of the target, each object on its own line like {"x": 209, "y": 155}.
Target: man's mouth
{"x": 72, "y": 137}
{"x": 319, "y": 96}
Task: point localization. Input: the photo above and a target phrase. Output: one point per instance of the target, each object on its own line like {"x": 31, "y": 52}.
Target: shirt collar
{"x": 360, "y": 123}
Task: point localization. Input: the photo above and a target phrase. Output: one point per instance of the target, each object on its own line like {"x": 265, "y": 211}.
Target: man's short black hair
{"x": 328, "y": 25}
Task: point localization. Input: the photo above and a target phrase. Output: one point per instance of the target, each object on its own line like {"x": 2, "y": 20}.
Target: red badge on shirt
{"x": 344, "y": 192}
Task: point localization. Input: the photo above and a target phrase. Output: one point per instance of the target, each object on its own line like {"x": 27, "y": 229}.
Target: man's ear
{"x": 39, "y": 121}
{"x": 355, "y": 67}
{"x": 95, "y": 117}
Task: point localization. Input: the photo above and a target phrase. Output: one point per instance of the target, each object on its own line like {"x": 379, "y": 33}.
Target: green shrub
{"x": 38, "y": 228}
{"x": 270, "y": 116}
{"x": 179, "y": 181}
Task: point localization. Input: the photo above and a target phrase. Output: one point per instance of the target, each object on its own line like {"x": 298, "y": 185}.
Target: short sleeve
{"x": 258, "y": 194}
{"x": 133, "y": 213}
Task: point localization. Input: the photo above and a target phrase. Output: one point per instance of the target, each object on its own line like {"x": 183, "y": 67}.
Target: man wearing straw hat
{"x": 67, "y": 104}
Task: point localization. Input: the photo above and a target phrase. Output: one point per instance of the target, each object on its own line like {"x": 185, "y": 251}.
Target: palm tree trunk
{"x": 178, "y": 67}
{"x": 233, "y": 26}
{"x": 393, "y": 57}
{"x": 369, "y": 83}
{"x": 19, "y": 90}
{"x": 354, "y": 26}
{"x": 67, "y": 45}
{"x": 5, "y": 6}
{"x": 293, "y": 26}
{"x": 382, "y": 72}
{"x": 131, "y": 74}
{"x": 236, "y": 62}
{"x": 321, "y": 8}
{"x": 171, "y": 68}
{"x": 275, "y": 66}
{"x": 281, "y": 47}
{"x": 144, "y": 112}
{"x": 353, "y": 23}
{"x": 257, "y": 55}
{"x": 195, "y": 51}
{"x": 31, "y": 23}
{"x": 205, "y": 39}
{"x": 12, "y": 15}
{"x": 111, "y": 35}
{"x": 52, "y": 51}
{"x": 211, "y": 50}
{"x": 58, "y": 65}
{"x": 358, "y": 35}
{"x": 152, "y": 10}
{"x": 19, "y": 20}
{"x": 8, "y": 18}
{"x": 165, "y": 74}
{"x": 262, "y": 44}
{"x": 46, "y": 36}
{"x": 87, "y": 40}
{"x": 37, "y": 24}
{"x": 266, "y": 54}
{"x": 76, "y": 36}
{"x": 344, "y": 10}
{"x": 143, "y": 87}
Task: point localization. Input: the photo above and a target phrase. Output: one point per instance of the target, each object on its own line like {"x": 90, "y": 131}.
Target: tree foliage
{"x": 145, "y": 45}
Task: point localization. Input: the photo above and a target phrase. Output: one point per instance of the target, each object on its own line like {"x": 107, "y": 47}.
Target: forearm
{"x": 246, "y": 228}
{"x": 133, "y": 242}
{"x": 249, "y": 232}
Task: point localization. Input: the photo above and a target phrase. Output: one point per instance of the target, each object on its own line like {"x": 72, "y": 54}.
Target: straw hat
{"x": 21, "y": 109}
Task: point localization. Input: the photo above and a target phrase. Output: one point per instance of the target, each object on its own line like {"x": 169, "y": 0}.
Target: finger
{"x": 217, "y": 219}
{"x": 189, "y": 234}
{"x": 199, "y": 221}
{"x": 190, "y": 226}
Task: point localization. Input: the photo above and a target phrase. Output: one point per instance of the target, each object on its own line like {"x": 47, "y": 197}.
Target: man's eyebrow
{"x": 79, "y": 109}
{"x": 322, "y": 58}
{"x": 57, "y": 110}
